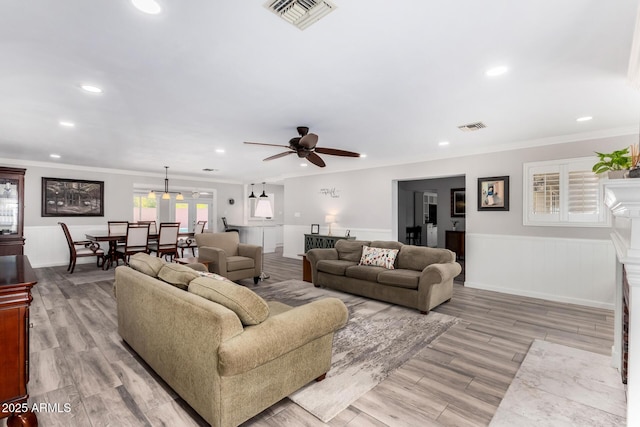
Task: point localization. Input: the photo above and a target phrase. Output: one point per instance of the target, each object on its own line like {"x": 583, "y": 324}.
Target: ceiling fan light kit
{"x": 305, "y": 147}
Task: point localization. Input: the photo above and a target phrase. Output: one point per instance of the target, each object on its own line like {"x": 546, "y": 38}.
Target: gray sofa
{"x": 224, "y": 350}
{"x": 422, "y": 277}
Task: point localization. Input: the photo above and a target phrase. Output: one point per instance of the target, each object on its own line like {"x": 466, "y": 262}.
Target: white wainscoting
{"x": 294, "y": 237}
{"x": 578, "y": 271}
{"x": 46, "y": 246}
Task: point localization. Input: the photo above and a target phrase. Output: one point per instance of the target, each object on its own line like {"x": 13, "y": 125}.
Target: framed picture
{"x": 348, "y": 233}
{"x": 457, "y": 202}
{"x": 493, "y": 193}
{"x": 315, "y": 228}
{"x": 72, "y": 197}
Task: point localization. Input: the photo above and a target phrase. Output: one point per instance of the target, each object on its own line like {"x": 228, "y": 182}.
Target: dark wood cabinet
{"x": 321, "y": 241}
{"x": 11, "y": 211}
{"x": 16, "y": 280}
{"x": 454, "y": 241}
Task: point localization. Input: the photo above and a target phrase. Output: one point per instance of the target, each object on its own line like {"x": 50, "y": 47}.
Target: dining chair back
{"x": 118, "y": 227}
{"x": 81, "y": 248}
{"x": 226, "y": 226}
{"x": 167, "y": 240}
{"x": 136, "y": 241}
{"x": 153, "y": 229}
{"x": 190, "y": 242}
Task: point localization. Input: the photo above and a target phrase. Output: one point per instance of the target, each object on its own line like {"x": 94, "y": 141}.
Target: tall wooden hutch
{"x": 11, "y": 211}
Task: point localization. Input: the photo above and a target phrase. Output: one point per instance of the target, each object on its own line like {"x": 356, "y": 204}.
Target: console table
{"x": 322, "y": 241}
{"x": 16, "y": 280}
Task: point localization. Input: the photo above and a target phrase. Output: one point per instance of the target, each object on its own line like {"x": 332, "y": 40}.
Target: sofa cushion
{"x": 364, "y": 272}
{"x": 247, "y": 305}
{"x": 386, "y": 244}
{"x": 408, "y": 279}
{"x": 350, "y": 250}
{"x": 418, "y": 257}
{"x": 378, "y": 257}
{"x": 337, "y": 267}
{"x": 235, "y": 263}
{"x": 147, "y": 264}
{"x": 228, "y": 242}
{"x": 177, "y": 275}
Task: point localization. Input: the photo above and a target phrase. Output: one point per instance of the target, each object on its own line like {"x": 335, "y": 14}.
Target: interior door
{"x": 190, "y": 211}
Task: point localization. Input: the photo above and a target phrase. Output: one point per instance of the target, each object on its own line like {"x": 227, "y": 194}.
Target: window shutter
{"x": 546, "y": 193}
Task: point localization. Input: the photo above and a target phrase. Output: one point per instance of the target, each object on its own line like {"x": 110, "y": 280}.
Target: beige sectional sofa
{"x": 419, "y": 277}
{"x": 224, "y": 350}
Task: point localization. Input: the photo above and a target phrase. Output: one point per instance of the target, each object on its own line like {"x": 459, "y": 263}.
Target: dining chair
{"x": 117, "y": 227}
{"x": 190, "y": 242}
{"x": 135, "y": 242}
{"x": 81, "y": 248}
{"x": 226, "y": 226}
{"x": 153, "y": 229}
{"x": 167, "y": 240}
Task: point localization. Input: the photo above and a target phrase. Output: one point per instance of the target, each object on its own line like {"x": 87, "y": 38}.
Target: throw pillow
{"x": 177, "y": 275}
{"x": 147, "y": 264}
{"x": 247, "y": 305}
{"x": 379, "y": 257}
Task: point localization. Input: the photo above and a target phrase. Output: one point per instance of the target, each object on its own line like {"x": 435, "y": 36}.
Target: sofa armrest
{"x": 281, "y": 334}
{"x": 198, "y": 266}
{"x": 217, "y": 259}
{"x": 438, "y": 273}
{"x": 317, "y": 254}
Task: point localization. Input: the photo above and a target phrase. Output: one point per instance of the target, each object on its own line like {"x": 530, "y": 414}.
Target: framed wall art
{"x": 315, "y": 228}
{"x": 458, "y": 204}
{"x": 493, "y": 193}
{"x": 72, "y": 197}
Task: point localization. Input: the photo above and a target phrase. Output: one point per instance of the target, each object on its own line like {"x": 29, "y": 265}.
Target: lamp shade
{"x": 329, "y": 219}
{"x": 263, "y": 209}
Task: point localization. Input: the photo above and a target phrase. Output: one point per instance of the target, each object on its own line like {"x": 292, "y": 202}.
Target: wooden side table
{"x": 306, "y": 268}
{"x": 192, "y": 260}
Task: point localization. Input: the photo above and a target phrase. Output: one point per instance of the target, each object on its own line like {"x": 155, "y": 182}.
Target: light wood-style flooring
{"x": 77, "y": 357}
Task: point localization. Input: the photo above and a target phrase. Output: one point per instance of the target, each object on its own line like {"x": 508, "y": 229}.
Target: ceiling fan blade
{"x": 269, "y": 145}
{"x": 316, "y": 160}
{"x": 277, "y": 156}
{"x": 336, "y": 152}
{"x": 309, "y": 140}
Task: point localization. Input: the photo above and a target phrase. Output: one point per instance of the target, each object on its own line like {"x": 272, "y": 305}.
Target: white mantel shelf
{"x": 623, "y": 198}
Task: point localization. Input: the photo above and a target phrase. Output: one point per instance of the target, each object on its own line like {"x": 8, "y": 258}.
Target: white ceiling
{"x": 389, "y": 79}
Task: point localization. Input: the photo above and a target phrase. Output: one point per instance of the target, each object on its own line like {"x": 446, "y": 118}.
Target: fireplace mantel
{"x": 623, "y": 198}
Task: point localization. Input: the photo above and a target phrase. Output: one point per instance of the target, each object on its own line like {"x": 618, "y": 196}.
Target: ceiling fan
{"x": 305, "y": 147}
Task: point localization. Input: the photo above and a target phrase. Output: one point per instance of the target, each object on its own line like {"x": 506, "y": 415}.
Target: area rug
{"x": 560, "y": 386}
{"x": 377, "y": 339}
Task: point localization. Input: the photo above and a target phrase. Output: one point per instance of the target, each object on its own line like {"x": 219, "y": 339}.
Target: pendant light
{"x": 252, "y": 196}
{"x": 166, "y": 194}
{"x": 263, "y": 195}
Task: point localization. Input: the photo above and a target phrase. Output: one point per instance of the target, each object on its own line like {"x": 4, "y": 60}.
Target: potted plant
{"x": 634, "y": 171}
{"x": 616, "y": 163}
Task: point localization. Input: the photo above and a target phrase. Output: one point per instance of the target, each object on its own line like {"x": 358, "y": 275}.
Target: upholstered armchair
{"x": 228, "y": 257}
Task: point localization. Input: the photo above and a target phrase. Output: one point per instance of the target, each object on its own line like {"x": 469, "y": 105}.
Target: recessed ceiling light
{"x": 304, "y": 165}
{"x": 67, "y": 124}
{"x": 151, "y": 7}
{"x": 496, "y": 71}
{"x": 54, "y": 156}
{"x": 91, "y": 88}
{"x": 584, "y": 119}
{"x": 443, "y": 143}
{"x": 220, "y": 150}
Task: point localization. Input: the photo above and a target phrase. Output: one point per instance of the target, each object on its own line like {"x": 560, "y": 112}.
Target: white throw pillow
{"x": 379, "y": 257}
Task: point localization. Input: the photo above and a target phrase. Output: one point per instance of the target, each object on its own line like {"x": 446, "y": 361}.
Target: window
{"x": 144, "y": 208}
{"x": 564, "y": 193}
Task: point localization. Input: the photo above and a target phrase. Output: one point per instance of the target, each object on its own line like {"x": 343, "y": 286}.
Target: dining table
{"x": 114, "y": 238}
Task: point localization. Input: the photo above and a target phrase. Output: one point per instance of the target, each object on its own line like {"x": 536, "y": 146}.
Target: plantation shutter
{"x": 563, "y": 193}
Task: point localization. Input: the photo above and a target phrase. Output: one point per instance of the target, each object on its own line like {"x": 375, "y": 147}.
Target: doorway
{"x": 189, "y": 211}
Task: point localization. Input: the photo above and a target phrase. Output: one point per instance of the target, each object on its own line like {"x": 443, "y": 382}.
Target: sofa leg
{"x": 424, "y": 312}
{"x": 321, "y": 377}
{"x": 256, "y": 280}
{"x": 317, "y": 286}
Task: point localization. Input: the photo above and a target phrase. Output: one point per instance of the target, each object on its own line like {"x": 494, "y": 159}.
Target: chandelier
{"x": 166, "y": 194}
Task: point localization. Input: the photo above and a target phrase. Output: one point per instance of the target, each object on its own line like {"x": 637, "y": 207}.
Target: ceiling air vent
{"x": 301, "y": 13}
{"x": 472, "y": 127}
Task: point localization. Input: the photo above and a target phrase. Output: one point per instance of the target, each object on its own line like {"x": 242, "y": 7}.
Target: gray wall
{"x": 366, "y": 197}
